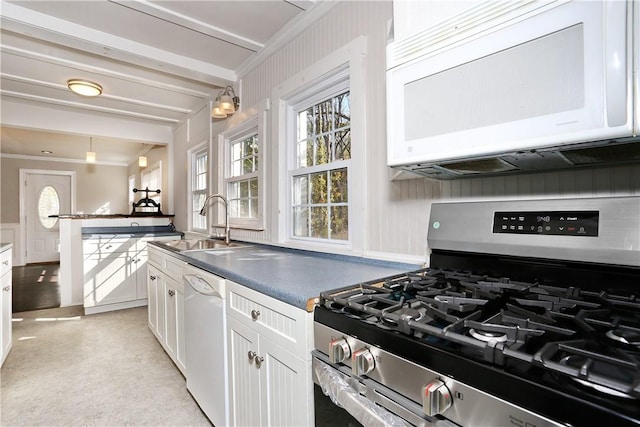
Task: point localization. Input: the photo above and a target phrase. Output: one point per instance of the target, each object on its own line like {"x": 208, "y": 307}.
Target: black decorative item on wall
{"x": 141, "y": 207}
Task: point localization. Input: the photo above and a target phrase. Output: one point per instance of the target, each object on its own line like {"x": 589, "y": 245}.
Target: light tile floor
{"x": 66, "y": 369}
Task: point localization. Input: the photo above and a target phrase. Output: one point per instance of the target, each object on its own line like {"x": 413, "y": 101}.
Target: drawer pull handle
{"x": 5, "y": 262}
{"x": 152, "y": 277}
{"x": 251, "y": 355}
{"x": 171, "y": 292}
{"x": 255, "y": 314}
{"x": 7, "y": 288}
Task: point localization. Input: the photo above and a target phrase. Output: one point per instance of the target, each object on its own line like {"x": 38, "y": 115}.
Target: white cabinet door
{"x": 156, "y": 301}
{"x": 180, "y": 359}
{"x": 268, "y": 385}
{"x": 244, "y": 378}
{"x": 5, "y": 305}
{"x": 284, "y": 395}
{"x": 170, "y": 312}
{"x": 107, "y": 279}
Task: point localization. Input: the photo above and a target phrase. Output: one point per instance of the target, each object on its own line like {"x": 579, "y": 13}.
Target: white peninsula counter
{"x": 103, "y": 257}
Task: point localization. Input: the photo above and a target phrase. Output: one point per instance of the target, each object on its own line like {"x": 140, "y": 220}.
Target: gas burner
{"x": 408, "y": 313}
{"x": 488, "y": 336}
{"x": 625, "y": 336}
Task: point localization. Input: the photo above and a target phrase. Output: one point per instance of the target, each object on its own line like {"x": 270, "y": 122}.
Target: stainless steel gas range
{"x": 529, "y": 315}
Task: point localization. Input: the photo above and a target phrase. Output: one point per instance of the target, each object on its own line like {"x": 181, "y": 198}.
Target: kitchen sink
{"x": 199, "y": 244}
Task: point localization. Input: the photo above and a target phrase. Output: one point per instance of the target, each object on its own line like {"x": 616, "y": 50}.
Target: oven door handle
{"x": 344, "y": 395}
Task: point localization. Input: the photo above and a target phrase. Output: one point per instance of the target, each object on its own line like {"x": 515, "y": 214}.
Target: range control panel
{"x": 561, "y": 223}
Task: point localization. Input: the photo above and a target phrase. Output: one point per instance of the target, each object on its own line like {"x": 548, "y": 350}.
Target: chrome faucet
{"x": 227, "y": 229}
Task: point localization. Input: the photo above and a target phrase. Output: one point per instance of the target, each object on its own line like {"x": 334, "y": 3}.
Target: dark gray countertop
{"x": 5, "y": 246}
{"x": 129, "y": 231}
{"x": 293, "y": 276}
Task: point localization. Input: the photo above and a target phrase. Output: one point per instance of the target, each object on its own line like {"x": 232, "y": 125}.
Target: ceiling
{"x": 157, "y": 62}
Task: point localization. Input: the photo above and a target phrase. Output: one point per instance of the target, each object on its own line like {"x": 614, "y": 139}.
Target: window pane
{"x": 244, "y": 189}
{"x": 254, "y": 208}
{"x": 253, "y": 187}
{"x": 342, "y": 109}
{"x": 339, "y": 188}
{"x": 343, "y": 145}
{"x": 305, "y": 124}
{"x": 319, "y": 221}
{"x": 301, "y": 221}
{"x": 300, "y": 190}
{"x": 323, "y": 150}
{"x": 324, "y": 118}
{"x": 319, "y": 188}
{"x": 247, "y": 165}
{"x": 48, "y": 204}
{"x": 339, "y": 223}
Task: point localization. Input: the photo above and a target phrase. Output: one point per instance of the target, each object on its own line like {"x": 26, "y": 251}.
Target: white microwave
{"x": 513, "y": 77}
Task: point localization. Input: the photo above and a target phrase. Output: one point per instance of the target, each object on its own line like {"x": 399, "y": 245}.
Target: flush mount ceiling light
{"x": 226, "y": 103}
{"x": 91, "y": 155}
{"x": 84, "y": 87}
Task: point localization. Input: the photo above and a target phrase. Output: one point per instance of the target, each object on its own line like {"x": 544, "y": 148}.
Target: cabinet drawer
{"x": 285, "y": 324}
{"x": 174, "y": 268}
{"x": 5, "y": 262}
{"x": 107, "y": 246}
{"x": 155, "y": 257}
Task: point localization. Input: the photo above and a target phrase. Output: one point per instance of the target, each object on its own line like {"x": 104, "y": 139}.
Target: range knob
{"x": 339, "y": 350}
{"x": 362, "y": 362}
{"x": 436, "y": 398}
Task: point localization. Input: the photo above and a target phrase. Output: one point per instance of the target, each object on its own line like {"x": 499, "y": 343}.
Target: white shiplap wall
{"x": 397, "y": 212}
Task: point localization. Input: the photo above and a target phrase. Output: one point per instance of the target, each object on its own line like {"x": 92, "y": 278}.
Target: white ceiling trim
{"x": 104, "y": 95}
{"x": 82, "y": 106}
{"x": 49, "y": 28}
{"x": 286, "y": 34}
{"x": 189, "y": 23}
{"x": 102, "y": 71}
{"x": 58, "y": 159}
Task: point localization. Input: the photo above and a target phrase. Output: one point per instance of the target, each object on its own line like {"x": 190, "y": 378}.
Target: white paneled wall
{"x": 397, "y": 212}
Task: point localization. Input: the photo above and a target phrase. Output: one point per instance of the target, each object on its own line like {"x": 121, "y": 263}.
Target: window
{"x": 242, "y": 151}
{"x": 48, "y": 204}
{"x": 132, "y": 185}
{"x": 320, "y": 195}
{"x": 319, "y": 122}
{"x": 199, "y": 187}
{"x": 151, "y": 178}
{"x": 242, "y": 182}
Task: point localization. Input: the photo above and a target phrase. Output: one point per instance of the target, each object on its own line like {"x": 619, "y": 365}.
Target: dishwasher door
{"x": 205, "y": 336}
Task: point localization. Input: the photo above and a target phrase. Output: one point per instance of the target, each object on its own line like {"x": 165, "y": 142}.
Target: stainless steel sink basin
{"x": 199, "y": 244}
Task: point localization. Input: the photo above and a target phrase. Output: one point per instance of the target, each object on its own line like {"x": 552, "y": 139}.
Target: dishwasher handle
{"x": 200, "y": 285}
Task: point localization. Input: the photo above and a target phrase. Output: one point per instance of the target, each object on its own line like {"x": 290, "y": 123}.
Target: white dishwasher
{"x": 205, "y": 342}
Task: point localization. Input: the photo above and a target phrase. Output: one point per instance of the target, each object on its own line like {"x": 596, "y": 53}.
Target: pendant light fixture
{"x": 91, "y": 155}
{"x": 84, "y": 87}
{"x": 142, "y": 161}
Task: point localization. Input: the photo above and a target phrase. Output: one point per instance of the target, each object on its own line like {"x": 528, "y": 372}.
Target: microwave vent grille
{"x": 618, "y": 153}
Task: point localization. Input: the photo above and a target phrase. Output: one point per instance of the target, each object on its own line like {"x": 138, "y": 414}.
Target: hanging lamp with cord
{"x": 91, "y": 155}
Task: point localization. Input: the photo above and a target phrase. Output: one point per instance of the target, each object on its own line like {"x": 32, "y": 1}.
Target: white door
{"x": 46, "y": 194}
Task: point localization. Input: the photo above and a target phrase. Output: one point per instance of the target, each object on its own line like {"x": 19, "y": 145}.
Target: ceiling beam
{"x": 55, "y": 30}
{"x": 160, "y": 12}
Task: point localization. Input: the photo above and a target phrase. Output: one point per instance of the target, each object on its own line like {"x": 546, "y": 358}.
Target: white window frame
{"x": 132, "y": 185}
{"x": 193, "y": 154}
{"x": 316, "y": 80}
{"x": 330, "y": 87}
{"x": 253, "y": 124}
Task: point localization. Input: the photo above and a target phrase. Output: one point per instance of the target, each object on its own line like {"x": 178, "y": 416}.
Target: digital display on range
{"x": 560, "y": 223}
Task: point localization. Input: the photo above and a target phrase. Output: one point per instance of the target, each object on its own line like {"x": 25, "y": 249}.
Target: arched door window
{"x": 48, "y": 204}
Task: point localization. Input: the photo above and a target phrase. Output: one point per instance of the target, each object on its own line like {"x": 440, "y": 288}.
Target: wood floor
{"x": 35, "y": 287}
